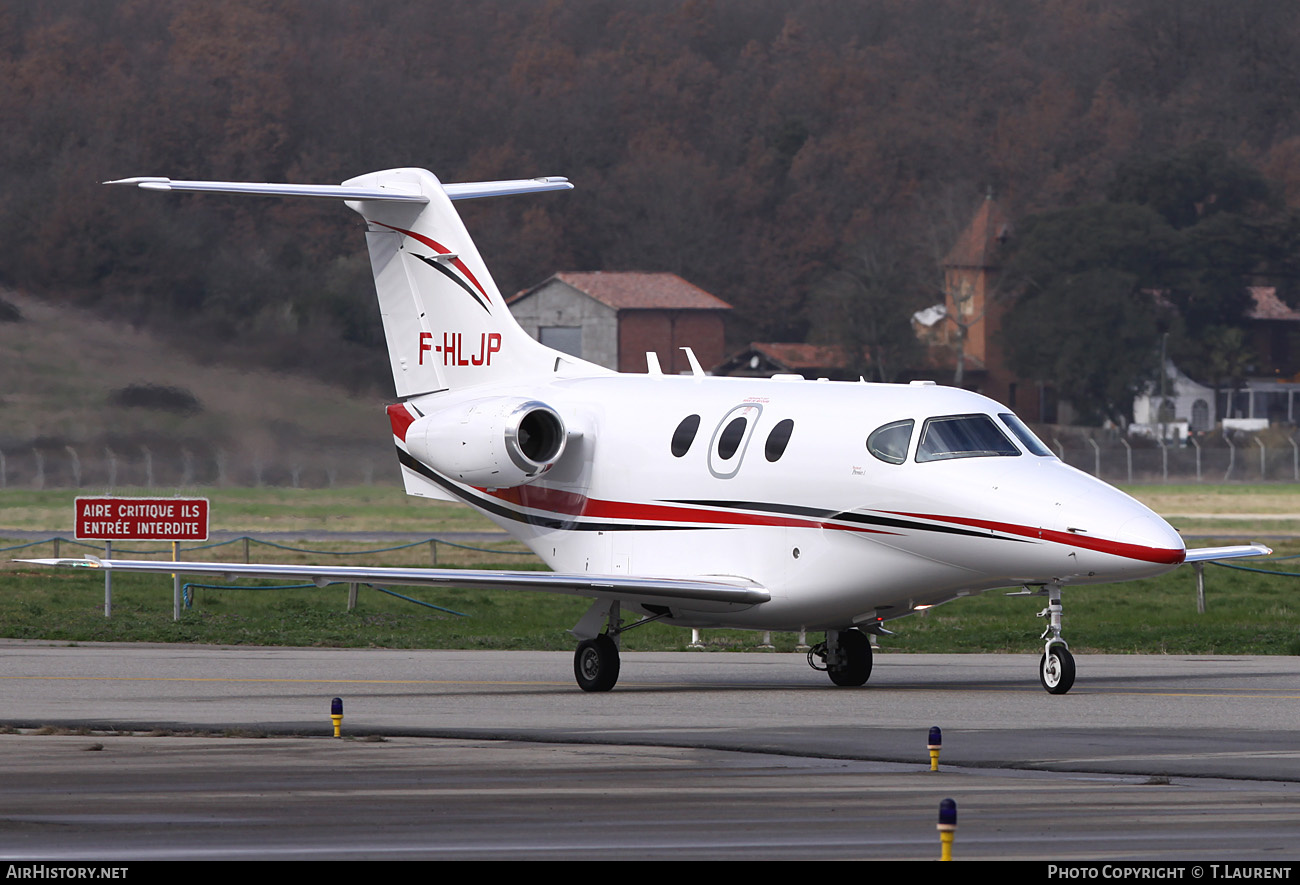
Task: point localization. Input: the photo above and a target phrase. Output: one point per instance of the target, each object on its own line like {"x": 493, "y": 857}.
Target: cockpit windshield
{"x": 1024, "y": 434}
{"x": 963, "y": 436}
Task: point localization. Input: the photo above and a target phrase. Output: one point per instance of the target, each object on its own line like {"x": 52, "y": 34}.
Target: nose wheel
{"x": 1056, "y": 669}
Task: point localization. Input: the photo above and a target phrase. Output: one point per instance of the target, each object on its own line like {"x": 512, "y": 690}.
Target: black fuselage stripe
{"x": 409, "y": 461}
{"x": 492, "y": 506}
{"x": 846, "y": 516}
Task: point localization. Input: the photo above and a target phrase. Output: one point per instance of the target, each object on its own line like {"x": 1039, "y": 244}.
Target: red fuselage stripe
{"x": 1161, "y": 555}
{"x": 596, "y": 509}
{"x": 556, "y": 503}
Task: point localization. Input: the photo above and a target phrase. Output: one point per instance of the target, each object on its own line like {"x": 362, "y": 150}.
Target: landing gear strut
{"x": 845, "y": 656}
{"x": 1056, "y": 667}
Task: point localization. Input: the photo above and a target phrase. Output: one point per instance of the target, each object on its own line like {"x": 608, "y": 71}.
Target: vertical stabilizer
{"x": 446, "y": 324}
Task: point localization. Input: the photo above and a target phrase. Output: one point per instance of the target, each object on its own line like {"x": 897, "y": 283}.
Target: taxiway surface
{"x": 693, "y": 755}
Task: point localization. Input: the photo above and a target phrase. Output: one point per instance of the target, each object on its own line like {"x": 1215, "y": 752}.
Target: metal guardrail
{"x": 246, "y": 540}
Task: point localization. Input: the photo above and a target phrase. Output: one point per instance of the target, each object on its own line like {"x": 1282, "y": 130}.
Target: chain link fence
{"x": 142, "y": 467}
{"x": 1240, "y": 457}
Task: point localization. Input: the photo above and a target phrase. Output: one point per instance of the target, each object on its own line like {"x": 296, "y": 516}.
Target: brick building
{"x": 962, "y": 332}
{"x": 614, "y": 318}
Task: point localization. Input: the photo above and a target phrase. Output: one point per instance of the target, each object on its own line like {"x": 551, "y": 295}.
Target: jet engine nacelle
{"x": 499, "y": 442}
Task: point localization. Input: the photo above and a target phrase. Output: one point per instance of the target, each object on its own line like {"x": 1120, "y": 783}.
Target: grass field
{"x": 1248, "y": 613}
{"x": 1241, "y": 510}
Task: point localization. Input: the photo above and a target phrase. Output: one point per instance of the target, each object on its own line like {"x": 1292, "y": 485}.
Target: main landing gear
{"x": 845, "y": 656}
{"x": 596, "y": 662}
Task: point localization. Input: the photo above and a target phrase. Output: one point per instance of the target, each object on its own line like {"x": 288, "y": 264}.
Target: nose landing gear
{"x": 1056, "y": 667}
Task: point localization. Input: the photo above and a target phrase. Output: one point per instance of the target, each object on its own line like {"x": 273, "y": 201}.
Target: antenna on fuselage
{"x": 696, "y": 369}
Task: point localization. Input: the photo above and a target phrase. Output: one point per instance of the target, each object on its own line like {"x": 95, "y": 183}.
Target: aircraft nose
{"x": 1119, "y": 537}
{"x": 1102, "y": 533}
{"x": 1150, "y": 531}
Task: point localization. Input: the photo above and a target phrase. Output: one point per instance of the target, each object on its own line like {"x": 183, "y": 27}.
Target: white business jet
{"x": 759, "y": 504}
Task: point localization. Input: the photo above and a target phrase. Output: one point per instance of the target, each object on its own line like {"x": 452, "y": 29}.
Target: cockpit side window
{"x": 889, "y": 442}
{"x": 962, "y": 436}
{"x": 1025, "y": 435}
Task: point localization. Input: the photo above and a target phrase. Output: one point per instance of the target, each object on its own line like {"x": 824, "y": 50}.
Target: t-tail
{"x": 445, "y": 322}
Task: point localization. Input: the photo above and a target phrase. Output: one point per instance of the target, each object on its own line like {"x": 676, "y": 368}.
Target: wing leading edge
{"x": 705, "y": 594}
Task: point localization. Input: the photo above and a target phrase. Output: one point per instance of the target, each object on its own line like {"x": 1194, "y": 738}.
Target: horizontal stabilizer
{"x": 393, "y": 194}
{"x": 471, "y": 190}
{"x": 697, "y": 595}
{"x": 1211, "y": 554}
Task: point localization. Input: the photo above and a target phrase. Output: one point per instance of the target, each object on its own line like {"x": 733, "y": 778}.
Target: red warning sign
{"x": 142, "y": 519}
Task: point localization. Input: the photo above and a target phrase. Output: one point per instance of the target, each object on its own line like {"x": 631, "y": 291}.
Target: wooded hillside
{"x": 751, "y": 146}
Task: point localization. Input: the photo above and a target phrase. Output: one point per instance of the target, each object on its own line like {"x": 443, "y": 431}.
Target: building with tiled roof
{"x": 961, "y": 333}
{"x": 1270, "y": 395}
{"x": 1274, "y": 329}
{"x": 763, "y": 359}
{"x": 613, "y": 318}
{"x": 1265, "y": 305}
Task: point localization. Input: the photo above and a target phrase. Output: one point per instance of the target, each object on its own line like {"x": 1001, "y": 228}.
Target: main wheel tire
{"x": 1056, "y": 670}
{"x": 595, "y": 663}
{"x": 856, "y": 669}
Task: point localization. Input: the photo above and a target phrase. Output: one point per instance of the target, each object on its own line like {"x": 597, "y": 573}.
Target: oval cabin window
{"x": 729, "y": 439}
{"x": 778, "y": 439}
{"x": 684, "y": 435}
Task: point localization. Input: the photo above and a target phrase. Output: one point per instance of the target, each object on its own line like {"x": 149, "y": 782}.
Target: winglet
{"x": 84, "y": 562}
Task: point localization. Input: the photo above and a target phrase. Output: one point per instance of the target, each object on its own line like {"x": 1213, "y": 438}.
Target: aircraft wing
{"x": 705, "y": 594}
{"x": 1210, "y": 554}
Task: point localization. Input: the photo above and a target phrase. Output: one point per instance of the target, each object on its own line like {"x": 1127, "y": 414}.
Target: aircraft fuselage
{"x": 776, "y": 485}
